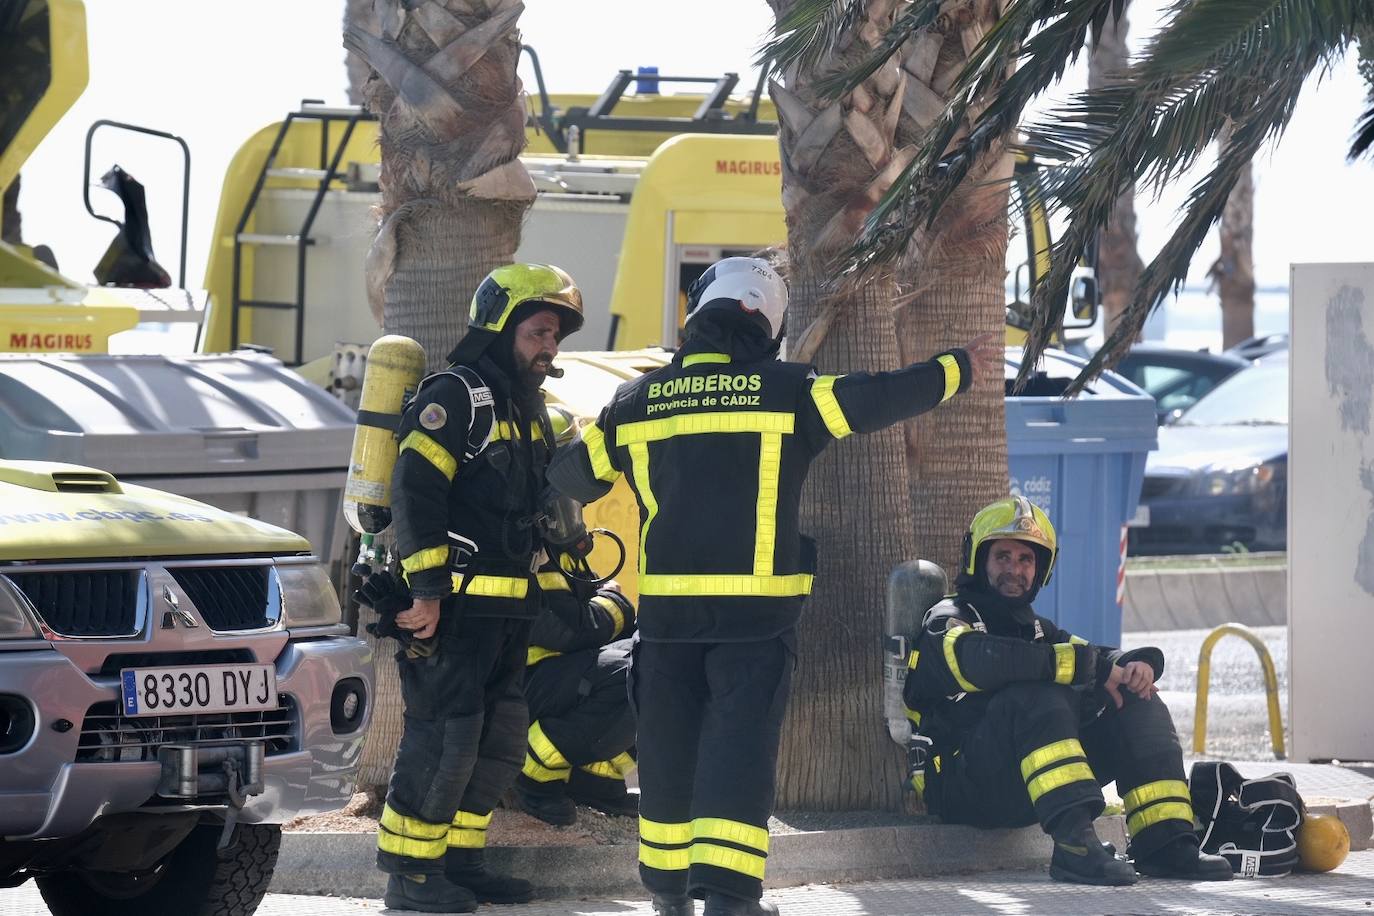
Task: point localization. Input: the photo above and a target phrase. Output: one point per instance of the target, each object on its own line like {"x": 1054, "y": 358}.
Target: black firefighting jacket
{"x": 716, "y": 451}
{"x": 572, "y": 620}
{"x": 465, "y": 491}
{"x": 963, "y": 657}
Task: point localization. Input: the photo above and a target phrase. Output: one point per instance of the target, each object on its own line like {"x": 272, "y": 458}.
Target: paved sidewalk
{"x": 1349, "y": 889}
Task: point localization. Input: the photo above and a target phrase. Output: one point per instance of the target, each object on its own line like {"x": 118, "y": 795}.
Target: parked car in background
{"x": 1219, "y": 480}
{"x": 1176, "y": 378}
{"x": 1261, "y": 346}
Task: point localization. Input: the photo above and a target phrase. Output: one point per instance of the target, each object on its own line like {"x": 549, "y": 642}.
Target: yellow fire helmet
{"x": 1018, "y": 519}
{"x": 1323, "y": 842}
{"x": 507, "y": 288}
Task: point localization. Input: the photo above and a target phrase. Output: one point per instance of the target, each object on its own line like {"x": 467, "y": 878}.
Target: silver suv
{"x": 175, "y": 683}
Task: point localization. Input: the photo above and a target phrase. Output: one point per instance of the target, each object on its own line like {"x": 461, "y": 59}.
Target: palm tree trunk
{"x": 453, "y": 193}
{"x": 1118, "y": 262}
{"x": 358, "y": 12}
{"x": 1233, "y": 273}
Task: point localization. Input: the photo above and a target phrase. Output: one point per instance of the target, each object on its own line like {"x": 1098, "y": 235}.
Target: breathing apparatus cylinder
{"x": 913, "y": 588}
{"x": 395, "y": 365}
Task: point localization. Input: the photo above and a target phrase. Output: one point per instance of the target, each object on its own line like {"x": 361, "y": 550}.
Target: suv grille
{"x": 228, "y": 597}
{"x": 91, "y": 603}
{"x": 109, "y": 737}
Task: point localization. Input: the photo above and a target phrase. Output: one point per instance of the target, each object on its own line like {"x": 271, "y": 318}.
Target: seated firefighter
{"x": 582, "y": 728}
{"x": 1019, "y": 722}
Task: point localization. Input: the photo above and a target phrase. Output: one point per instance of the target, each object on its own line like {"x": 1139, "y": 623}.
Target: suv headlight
{"x": 15, "y": 622}
{"x": 307, "y": 597}
{"x": 1251, "y": 479}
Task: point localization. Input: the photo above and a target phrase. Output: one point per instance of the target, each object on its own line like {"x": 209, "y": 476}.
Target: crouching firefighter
{"x": 582, "y": 730}
{"x": 474, "y": 445}
{"x": 1020, "y": 722}
{"x": 716, "y": 446}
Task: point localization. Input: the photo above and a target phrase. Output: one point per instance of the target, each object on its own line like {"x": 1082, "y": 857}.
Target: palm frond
{"x": 916, "y": 17}
{"x": 809, "y": 32}
{"x": 1364, "y": 134}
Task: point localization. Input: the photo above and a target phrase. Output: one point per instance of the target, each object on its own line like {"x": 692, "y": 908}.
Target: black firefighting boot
{"x": 718, "y": 904}
{"x": 674, "y": 905}
{"x": 428, "y": 894}
{"x": 609, "y": 796}
{"x": 1182, "y": 858}
{"x": 547, "y": 801}
{"x": 1081, "y": 857}
{"x": 465, "y": 867}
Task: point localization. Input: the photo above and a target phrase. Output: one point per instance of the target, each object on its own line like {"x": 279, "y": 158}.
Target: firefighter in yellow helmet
{"x": 1019, "y": 722}
{"x": 716, "y": 446}
{"x": 474, "y": 445}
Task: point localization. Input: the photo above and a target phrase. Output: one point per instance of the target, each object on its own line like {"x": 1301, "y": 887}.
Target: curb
{"x": 1196, "y": 599}
{"x": 341, "y": 864}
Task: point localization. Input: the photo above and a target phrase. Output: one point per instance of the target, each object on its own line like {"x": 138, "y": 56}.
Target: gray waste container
{"x": 236, "y": 430}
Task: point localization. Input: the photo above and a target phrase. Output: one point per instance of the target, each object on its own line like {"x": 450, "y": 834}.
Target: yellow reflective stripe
{"x": 639, "y": 464}
{"x": 951, "y": 367}
{"x": 610, "y": 607}
{"x": 823, "y": 393}
{"x": 698, "y": 358}
{"x": 623, "y": 762}
{"x": 504, "y": 431}
{"x": 411, "y": 848}
{"x": 913, "y": 715}
{"x": 553, "y": 582}
{"x": 688, "y": 424}
{"x": 1077, "y": 641}
{"x": 937, "y": 762}
{"x": 493, "y": 586}
{"x": 664, "y": 859}
{"x": 719, "y": 828}
{"x": 912, "y": 659}
{"x": 952, "y": 659}
{"x": 766, "y": 513}
{"x": 411, "y": 827}
{"x": 595, "y": 440}
{"x": 1051, "y": 753}
{"x": 679, "y": 834}
{"x": 1064, "y": 663}
{"x": 1058, "y": 778}
{"x": 745, "y": 863}
{"x": 726, "y": 586}
{"x": 1152, "y": 792}
{"x": 474, "y": 821}
{"x": 602, "y": 768}
{"x": 461, "y": 838}
{"x": 431, "y": 451}
{"x": 918, "y": 782}
{"x": 540, "y": 773}
{"x": 545, "y": 750}
{"x": 429, "y": 558}
{"x": 538, "y": 654}
{"x": 1166, "y": 811}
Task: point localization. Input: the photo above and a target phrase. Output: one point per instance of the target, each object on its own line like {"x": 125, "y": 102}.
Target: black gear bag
{"x": 1252, "y": 823}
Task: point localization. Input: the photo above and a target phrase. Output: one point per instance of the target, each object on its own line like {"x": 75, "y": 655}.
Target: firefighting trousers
{"x": 579, "y": 714}
{"x": 1029, "y": 760}
{"x": 462, "y": 742}
{"x": 710, "y": 717}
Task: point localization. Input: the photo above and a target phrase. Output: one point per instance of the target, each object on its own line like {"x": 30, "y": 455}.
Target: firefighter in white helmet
{"x": 716, "y": 446}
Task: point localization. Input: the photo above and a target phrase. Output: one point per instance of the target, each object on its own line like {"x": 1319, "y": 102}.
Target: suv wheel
{"x": 194, "y": 879}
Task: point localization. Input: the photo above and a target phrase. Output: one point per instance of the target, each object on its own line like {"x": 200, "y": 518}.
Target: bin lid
{"x": 1110, "y": 414}
{"x": 145, "y": 415}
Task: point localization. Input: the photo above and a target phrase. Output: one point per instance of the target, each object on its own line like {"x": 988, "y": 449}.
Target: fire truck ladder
{"x": 326, "y": 174}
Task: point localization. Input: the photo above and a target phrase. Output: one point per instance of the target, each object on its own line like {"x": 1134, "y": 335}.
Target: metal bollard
{"x": 1204, "y": 676}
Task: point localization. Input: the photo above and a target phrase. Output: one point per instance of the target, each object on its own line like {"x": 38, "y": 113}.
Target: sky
{"x": 214, "y": 73}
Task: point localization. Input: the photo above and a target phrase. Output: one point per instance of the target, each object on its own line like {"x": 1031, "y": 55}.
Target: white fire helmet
{"x": 749, "y": 285}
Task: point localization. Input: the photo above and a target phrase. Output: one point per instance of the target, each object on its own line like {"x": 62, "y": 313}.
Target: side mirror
{"x": 1083, "y": 303}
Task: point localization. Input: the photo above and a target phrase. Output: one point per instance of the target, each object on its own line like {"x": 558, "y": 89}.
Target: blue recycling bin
{"x": 1082, "y": 460}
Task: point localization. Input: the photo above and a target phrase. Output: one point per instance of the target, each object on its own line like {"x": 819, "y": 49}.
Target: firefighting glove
{"x": 388, "y": 596}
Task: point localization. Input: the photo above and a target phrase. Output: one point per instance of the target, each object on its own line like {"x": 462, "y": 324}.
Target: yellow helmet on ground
{"x": 1018, "y": 519}
{"x": 1323, "y": 842}
{"x": 507, "y": 288}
